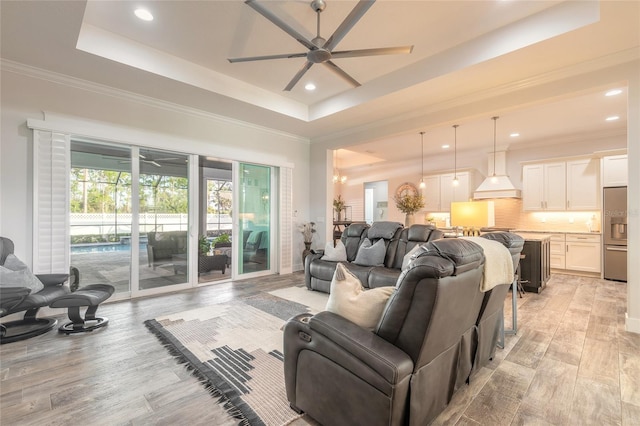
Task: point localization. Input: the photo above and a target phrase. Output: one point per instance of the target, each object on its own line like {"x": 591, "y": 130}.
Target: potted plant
{"x": 204, "y": 245}
{"x": 223, "y": 240}
{"x": 307, "y": 230}
{"x": 409, "y": 204}
{"x": 338, "y": 206}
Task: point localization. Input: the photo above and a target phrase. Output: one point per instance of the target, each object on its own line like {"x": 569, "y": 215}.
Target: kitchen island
{"x": 535, "y": 267}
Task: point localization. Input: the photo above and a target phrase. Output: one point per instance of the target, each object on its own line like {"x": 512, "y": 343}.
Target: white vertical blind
{"x": 286, "y": 223}
{"x": 51, "y": 168}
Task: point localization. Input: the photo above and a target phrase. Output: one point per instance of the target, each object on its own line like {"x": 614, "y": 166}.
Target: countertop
{"x": 518, "y": 231}
{"x": 534, "y": 236}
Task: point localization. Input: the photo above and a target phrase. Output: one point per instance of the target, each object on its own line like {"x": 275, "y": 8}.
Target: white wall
{"x": 25, "y": 97}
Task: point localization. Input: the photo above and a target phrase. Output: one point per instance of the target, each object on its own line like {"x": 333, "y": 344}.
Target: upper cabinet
{"x": 439, "y": 190}
{"x": 615, "y": 170}
{"x": 561, "y": 185}
{"x": 544, "y": 186}
{"x": 583, "y": 184}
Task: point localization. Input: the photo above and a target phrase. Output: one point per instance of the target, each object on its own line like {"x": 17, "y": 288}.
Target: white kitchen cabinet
{"x": 439, "y": 191}
{"x": 557, "y": 251}
{"x": 615, "y": 170}
{"x": 583, "y": 184}
{"x": 583, "y": 252}
{"x": 561, "y": 185}
{"x": 544, "y": 186}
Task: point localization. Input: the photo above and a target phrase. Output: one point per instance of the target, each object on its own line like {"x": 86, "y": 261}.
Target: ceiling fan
{"x": 321, "y": 50}
{"x": 153, "y": 162}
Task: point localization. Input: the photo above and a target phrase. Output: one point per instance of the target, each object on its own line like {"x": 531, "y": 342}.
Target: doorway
{"x": 376, "y": 196}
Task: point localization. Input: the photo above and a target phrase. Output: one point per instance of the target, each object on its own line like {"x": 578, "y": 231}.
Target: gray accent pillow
{"x": 335, "y": 254}
{"x": 15, "y": 273}
{"x": 371, "y": 255}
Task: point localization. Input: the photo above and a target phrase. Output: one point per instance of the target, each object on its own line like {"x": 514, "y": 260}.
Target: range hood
{"x": 498, "y": 186}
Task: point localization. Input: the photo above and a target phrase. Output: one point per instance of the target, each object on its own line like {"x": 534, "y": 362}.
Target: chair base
{"x": 14, "y": 331}
{"x": 84, "y": 326}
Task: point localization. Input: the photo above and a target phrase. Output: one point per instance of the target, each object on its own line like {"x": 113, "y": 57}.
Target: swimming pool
{"x": 103, "y": 248}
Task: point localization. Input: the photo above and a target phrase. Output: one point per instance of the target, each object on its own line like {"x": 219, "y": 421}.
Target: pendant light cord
{"x": 422, "y": 156}
{"x": 455, "y": 151}
{"x": 495, "y": 119}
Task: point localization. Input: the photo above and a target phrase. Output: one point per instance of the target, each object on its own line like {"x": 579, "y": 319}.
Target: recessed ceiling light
{"x": 445, "y": 146}
{"x": 514, "y": 135}
{"x": 310, "y": 86}
{"x": 613, "y": 92}
{"x": 144, "y": 14}
{"x": 613, "y": 118}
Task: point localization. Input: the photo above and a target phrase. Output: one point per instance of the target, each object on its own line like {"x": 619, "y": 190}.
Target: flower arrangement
{"x": 409, "y": 204}
{"x": 338, "y": 205}
{"x": 307, "y": 230}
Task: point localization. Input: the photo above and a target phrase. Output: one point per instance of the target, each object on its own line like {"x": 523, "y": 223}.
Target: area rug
{"x": 235, "y": 349}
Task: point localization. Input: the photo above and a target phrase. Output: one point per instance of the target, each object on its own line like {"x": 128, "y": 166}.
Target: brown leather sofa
{"x": 398, "y": 241}
{"x": 406, "y": 371}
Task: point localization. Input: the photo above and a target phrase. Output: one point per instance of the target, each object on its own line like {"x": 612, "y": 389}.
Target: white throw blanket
{"x": 498, "y": 266}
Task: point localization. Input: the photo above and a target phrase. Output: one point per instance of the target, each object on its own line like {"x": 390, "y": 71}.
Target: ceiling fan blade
{"x": 152, "y": 162}
{"x": 372, "y": 52}
{"x": 263, "y": 58}
{"x": 358, "y": 11}
{"x": 336, "y": 69}
{"x": 280, "y": 23}
{"x": 298, "y": 76}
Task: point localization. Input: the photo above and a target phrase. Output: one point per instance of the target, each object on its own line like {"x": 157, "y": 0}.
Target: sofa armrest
{"x": 307, "y": 265}
{"x": 384, "y": 358}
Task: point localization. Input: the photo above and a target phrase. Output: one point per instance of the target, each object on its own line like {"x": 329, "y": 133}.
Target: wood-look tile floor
{"x": 571, "y": 363}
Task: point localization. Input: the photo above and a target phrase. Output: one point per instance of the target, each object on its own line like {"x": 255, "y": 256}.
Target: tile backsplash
{"x": 509, "y": 214}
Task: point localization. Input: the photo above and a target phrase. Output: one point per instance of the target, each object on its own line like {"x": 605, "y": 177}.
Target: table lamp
{"x": 472, "y": 215}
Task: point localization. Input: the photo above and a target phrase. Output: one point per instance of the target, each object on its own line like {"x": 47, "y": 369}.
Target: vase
{"x": 408, "y": 219}
{"x": 306, "y": 251}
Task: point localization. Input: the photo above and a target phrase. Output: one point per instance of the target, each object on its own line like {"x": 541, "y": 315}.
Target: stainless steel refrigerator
{"x": 615, "y": 233}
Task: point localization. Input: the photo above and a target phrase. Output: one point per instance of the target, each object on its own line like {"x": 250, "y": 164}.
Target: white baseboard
{"x": 632, "y": 324}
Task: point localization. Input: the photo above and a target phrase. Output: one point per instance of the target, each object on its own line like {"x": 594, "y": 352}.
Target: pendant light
{"x": 494, "y": 178}
{"x": 337, "y": 177}
{"x": 456, "y": 182}
{"x": 422, "y": 184}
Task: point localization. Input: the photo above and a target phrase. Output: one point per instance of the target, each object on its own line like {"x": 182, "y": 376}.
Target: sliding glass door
{"x": 163, "y": 218}
{"x": 126, "y": 204}
{"x": 254, "y": 218}
{"x": 100, "y": 214}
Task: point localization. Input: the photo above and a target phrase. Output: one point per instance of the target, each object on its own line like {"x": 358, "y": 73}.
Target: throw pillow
{"x": 15, "y": 273}
{"x": 335, "y": 254}
{"x": 351, "y": 301}
{"x": 371, "y": 255}
{"x": 407, "y": 257}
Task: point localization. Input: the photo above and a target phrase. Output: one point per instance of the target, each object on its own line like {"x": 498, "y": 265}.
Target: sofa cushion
{"x": 407, "y": 257}
{"x": 350, "y": 300}
{"x": 335, "y": 254}
{"x": 371, "y": 254}
{"x": 383, "y": 229}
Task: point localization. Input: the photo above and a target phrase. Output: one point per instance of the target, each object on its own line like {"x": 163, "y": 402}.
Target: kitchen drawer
{"x": 583, "y": 238}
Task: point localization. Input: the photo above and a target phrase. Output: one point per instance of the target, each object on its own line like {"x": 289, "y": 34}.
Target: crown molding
{"x": 77, "y": 83}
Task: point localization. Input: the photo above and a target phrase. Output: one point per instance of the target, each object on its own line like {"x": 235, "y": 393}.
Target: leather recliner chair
{"x": 491, "y": 313}
{"x": 17, "y": 299}
{"x": 406, "y": 371}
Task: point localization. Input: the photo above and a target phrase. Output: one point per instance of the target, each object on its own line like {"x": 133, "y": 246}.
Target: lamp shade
{"x": 473, "y": 214}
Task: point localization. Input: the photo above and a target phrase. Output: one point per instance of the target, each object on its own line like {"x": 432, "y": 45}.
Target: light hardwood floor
{"x": 571, "y": 363}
